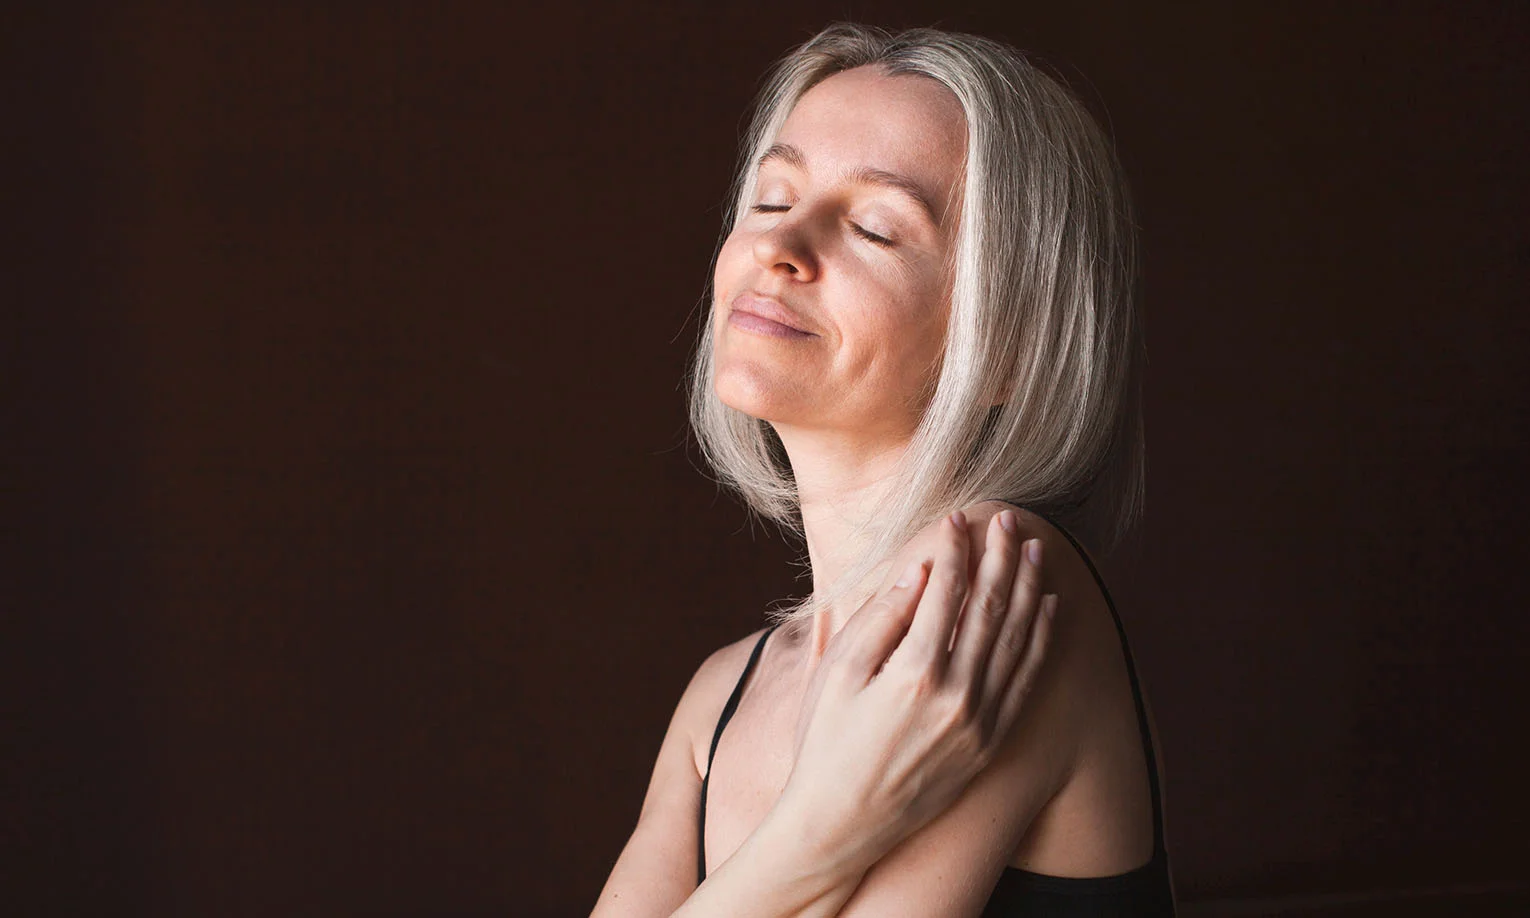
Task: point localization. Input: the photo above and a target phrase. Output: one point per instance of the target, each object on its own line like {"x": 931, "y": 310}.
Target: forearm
{"x": 775, "y": 873}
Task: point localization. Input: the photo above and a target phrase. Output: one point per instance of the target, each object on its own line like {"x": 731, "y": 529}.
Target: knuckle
{"x": 988, "y": 726}
{"x": 971, "y": 743}
{"x": 1011, "y": 641}
{"x": 923, "y": 685}
{"x": 972, "y": 710}
{"x": 979, "y": 736}
{"x": 952, "y": 720}
{"x": 963, "y": 710}
{"x": 991, "y": 607}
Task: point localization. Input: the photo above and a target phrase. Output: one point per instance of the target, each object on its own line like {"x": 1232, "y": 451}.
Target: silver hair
{"x": 1042, "y": 317}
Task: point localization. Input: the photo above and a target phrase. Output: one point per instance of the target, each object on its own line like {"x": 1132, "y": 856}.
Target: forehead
{"x": 865, "y": 118}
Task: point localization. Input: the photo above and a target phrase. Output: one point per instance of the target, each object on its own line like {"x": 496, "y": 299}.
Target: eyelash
{"x": 859, "y": 230}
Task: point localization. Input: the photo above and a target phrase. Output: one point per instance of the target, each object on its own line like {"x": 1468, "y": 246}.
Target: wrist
{"x": 815, "y": 843}
{"x": 774, "y": 874}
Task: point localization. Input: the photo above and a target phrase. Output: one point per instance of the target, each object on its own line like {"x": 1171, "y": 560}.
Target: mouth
{"x": 761, "y": 314}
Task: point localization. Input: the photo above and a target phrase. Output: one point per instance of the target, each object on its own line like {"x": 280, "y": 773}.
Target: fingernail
{"x": 1007, "y": 520}
{"x": 911, "y": 575}
{"x": 959, "y": 520}
{"x": 1033, "y": 550}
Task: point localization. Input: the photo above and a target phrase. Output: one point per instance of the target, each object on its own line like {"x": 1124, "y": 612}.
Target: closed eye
{"x": 869, "y": 236}
{"x": 856, "y": 228}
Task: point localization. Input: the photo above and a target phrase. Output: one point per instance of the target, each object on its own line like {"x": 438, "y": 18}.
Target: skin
{"x": 893, "y": 759}
{"x": 844, "y": 402}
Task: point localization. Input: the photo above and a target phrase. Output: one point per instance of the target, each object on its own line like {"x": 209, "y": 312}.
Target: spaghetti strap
{"x": 722, "y": 721}
{"x": 1131, "y": 674}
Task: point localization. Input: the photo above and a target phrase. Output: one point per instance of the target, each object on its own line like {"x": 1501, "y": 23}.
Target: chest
{"x": 753, "y": 762}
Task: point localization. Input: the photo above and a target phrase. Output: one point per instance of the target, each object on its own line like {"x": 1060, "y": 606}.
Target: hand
{"x": 916, "y": 692}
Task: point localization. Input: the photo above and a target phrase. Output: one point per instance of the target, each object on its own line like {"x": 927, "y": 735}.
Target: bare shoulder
{"x": 1085, "y": 642}
{"x": 708, "y": 691}
{"x": 994, "y": 823}
{"x": 1080, "y": 724}
{"x": 1080, "y": 705}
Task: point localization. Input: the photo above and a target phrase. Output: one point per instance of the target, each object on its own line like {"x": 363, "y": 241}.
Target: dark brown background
{"x": 354, "y": 558}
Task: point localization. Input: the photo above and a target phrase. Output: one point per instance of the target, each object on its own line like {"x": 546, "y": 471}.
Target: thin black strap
{"x": 727, "y": 715}
{"x": 1131, "y": 675}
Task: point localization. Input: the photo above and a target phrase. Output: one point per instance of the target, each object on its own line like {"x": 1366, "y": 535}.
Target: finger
{"x": 929, "y": 637}
{"x": 1010, "y": 644}
{"x": 876, "y": 628}
{"x": 1025, "y": 677}
{"x": 987, "y": 602}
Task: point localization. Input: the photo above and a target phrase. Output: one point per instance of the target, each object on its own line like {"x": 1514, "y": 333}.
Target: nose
{"x": 785, "y": 249}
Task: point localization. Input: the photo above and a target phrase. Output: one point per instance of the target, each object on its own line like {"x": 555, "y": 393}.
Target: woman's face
{"x": 832, "y": 291}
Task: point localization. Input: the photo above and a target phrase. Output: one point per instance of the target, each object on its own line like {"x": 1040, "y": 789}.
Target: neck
{"x": 840, "y": 483}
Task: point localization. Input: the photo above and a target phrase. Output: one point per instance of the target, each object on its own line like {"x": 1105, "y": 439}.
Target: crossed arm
{"x": 918, "y": 769}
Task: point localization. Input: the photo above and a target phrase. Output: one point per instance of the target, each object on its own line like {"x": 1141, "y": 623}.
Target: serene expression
{"x": 832, "y": 291}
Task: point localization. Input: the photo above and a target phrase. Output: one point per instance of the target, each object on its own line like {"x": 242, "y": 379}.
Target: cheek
{"x": 914, "y": 319}
{"x": 914, "y": 342}
{"x": 933, "y": 314}
{"x": 732, "y": 258}
{"x": 724, "y": 275}
{"x": 891, "y": 349}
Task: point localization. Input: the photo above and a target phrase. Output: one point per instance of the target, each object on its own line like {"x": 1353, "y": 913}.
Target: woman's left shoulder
{"x": 1063, "y": 564}
{"x": 1085, "y": 643}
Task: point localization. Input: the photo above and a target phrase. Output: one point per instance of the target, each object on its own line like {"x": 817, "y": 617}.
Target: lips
{"x": 767, "y": 308}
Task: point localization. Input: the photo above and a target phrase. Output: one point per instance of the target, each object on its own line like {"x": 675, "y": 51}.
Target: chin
{"x": 756, "y": 394}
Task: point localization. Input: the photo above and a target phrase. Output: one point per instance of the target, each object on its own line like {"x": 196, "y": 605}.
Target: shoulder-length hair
{"x": 1037, "y": 399}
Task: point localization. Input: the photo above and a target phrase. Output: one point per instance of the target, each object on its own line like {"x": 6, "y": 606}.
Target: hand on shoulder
{"x": 916, "y": 693}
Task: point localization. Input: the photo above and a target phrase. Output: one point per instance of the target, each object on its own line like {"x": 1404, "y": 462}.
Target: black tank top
{"x": 1144, "y": 892}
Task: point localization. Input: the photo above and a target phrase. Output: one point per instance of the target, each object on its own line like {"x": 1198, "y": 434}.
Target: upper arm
{"x": 949, "y": 867}
{"x": 656, "y": 871}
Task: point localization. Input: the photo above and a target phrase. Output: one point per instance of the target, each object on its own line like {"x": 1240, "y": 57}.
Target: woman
{"x": 923, "y": 303}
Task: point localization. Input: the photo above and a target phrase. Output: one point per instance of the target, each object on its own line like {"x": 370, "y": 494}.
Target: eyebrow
{"x": 863, "y": 175}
